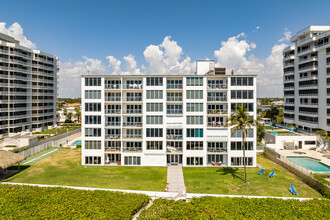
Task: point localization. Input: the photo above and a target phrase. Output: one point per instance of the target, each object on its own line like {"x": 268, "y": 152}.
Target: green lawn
{"x": 64, "y": 168}
{"x": 230, "y": 181}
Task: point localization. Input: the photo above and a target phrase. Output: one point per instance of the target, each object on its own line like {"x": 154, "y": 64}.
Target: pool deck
{"x": 308, "y": 153}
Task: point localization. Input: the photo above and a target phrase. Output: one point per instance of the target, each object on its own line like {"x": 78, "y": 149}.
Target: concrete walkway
{"x": 175, "y": 180}
{"x": 40, "y": 156}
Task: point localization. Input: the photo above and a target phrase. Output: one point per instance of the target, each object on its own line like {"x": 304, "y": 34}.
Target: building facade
{"x": 156, "y": 120}
{"x": 307, "y": 79}
{"x": 28, "y": 83}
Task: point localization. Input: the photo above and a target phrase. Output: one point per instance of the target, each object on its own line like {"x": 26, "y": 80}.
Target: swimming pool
{"x": 77, "y": 142}
{"x": 309, "y": 163}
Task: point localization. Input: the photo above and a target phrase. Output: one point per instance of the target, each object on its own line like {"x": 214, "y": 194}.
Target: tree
{"x": 279, "y": 117}
{"x": 260, "y": 131}
{"x": 323, "y": 138}
{"x": 58, "y": 116}
{"x": 240, "y": 120}
{"x": 78, "y": 113}
{"x": 65, "y": 111}
{"x": 69, "y": 117}
{"x": 272, "y": 113}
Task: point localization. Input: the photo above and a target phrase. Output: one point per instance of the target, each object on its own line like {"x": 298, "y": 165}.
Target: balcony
{"x": 112, "y": 99}
{"x": 174, "y": 137}
{"x": 112, "y": 124}
{"x": 170, "y": 149}
{"x": 112, "y": 149}
{"x": 132, "y": 124}
{"x": 112, "y": 111}
{"x": 174, "y": 99}
{"x": 308, "y": 113}
{"x": 310, "y": 94}
{"x": 289, "y": 72}
{"x": 112, "y": 86}
{"x": 307, "y": 50}
{"x": 302, "y": 60}
{"x": 308, "y": 122}
{"x": 307, "y": 68}
{"x": 132, "y": 99}
{"x": 20, "y": 54}
{"x": 223, "y": 86}
{"x": 217, "y": 149}
{"x": 309, "y": 77}
{"x": 132, "y": 111}
{"x": 132, "y": 149}
{"x": 216, "y": 99}
{"x": 112, "y": 136}
{"x": 309, "y": 104}
{"x": 174, "y": 86}
{"x": 308, "y": 85}
{"x": 174, "y": 112}
{"x": 43, "y": 60}
{"x": 217, "y": 112}
{"x": 133, "y": 86}
{"x": 215, "y": 124}
{"x": 288, "y": 110}
{"x": 132, "y": 136}
{"x": 290, "y": 57}
{"x": 291, "y": 64}
{"x": 289, "y": 88}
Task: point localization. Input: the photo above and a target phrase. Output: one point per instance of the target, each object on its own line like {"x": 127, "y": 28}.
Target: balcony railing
{"x": 306, "y": 103}
{"x": 174, "y": 112}
{"x": 133, "y": 99}
{"x": 174, "y": 137}
{"x": 114, "y": 124}
{"x": 311, "y": 94}
{"x": 174, "y": 86}
{"x": 170, "y": 149}
{"x": 132, "y": 124}
{"x": 308, "y": 121}
{"x": 216, "y": 149}
{"x": 112, "y": 149}
{"x": 132, "y": 136}
{"x": 112, "y": 99}
{"x": 307, "y": 67}
{"x": 308, "y": 113}
{"x": 223, "y": 86}
{"x": 132, "y": 111}
{"x": 174, "y": 99}
{"x": 112, "y": 111}
{"x": 217, "y": 111}
{"x": 132, "y": 149}
{"x": 132, "y": 86}
{"x": 112, "y": 136}
{"x": 217, "y": 99}
{"x": 308, "y": 85}
{"x": 215, "y": 124}
{"x": 114, "y": 86}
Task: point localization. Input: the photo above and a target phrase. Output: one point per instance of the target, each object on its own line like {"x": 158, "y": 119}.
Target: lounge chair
{"x": 292, "y": 190}
{"x": 262, "y": 171}
{"x": 213, "y": 163}
{"x": 272, "y": 174}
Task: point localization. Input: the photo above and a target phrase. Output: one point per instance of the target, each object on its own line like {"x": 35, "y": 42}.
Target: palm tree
{"x": 69, "y": 117}
{"x": 323, "y": 137}
{"x": 65, "y": 111}
{"x": 78, "y": 114}
{"x": 240, "y": 120}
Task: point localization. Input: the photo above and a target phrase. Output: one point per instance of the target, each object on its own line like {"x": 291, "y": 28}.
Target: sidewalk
{"x": 175, "y": 180}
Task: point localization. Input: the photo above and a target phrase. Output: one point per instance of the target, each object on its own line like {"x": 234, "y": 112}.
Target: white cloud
{"x": 287, "y": 36}
{"x": 114, "y": 65}
{"x": 15, "y": 30}
{"x": 258, "y": 27}
{"x": 131, "y": 66}
{"x": 70, "y": 75}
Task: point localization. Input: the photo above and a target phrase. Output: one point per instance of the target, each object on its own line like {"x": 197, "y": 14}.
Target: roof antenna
{"x": 88, "y": 72}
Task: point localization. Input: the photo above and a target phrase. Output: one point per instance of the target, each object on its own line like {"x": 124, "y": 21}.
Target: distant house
{"x": 277, "y": 103}
{"x": 70, "y": 107}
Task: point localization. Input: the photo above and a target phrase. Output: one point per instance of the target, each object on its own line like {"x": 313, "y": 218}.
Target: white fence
{"x": 51, "y": 143}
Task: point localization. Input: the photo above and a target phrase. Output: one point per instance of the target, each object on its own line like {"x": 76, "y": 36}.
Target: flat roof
{"x": 169, "y": 75}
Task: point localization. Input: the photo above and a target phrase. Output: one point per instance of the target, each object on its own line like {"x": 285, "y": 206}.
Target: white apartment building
{"x": 28, "y": 88}
{"x": 307, "y": 79}
{"x": 157, "y": 120}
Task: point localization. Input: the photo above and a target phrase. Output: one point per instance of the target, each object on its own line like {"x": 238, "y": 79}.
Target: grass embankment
{"x": 64, "y": 168}
{"x": 237, "y": 208}
{"x": 230, "y": 181}
{"x": 26, "y": 202}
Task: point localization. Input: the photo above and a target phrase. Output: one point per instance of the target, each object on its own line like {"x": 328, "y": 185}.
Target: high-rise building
{"x": 307, "y": 79}
{"x": 28, "y": 88}
{"x": 155, "y": 120}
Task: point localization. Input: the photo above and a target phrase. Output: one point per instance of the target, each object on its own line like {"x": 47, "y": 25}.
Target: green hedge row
{"x": 321, "y": 178}
{"x": 20, "y": 149}
{"x": 31, "y": 202}
{"x": 237, "y": 208}
{"x": 312, "y": 182}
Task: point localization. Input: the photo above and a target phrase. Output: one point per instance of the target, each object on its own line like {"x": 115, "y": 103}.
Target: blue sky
{"x": 72, "y": 29}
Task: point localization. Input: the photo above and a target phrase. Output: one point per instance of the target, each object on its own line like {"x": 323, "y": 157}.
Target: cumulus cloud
{"x": 15, "y": 30}
{"x": 233, "y": 54}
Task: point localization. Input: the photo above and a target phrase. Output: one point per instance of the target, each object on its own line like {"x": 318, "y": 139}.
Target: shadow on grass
{"x": 12, "y": 171}
{"x": 234, "y": 172}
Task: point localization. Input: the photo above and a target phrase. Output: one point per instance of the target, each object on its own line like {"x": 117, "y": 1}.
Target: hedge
{"x": 32, "y": 202}
{"x": 309, "y": 180}
{"x": 321, "y": 178}
{"x": 11, "y": 146}
{"x": 237, "y": 208}
{"x": 20, "y": 149}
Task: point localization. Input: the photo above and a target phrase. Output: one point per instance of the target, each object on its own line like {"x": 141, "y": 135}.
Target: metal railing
{"x": 216, "y": 99}
{"x": 132, "y": 124}
{"x": 174, "y": 112}
{"x": 132, "y": 111}
{"x": 216, "y": 149}
{"x": 217, "y": 111}
{"x": 115, "y": 124}
{"x": 132, "y": 86}
{"x": 174, "y": 137}
{"x": 112, "y": 149}
{"x": 174, "y": 99}
{"x": 132, "y": 99}
{"x": 112, "y": 111}
{"x": 113, "y": 86}
{"x": 112, "y": 136}
{"x": 112, "y": 99}
{"x": 132, "y": 136}
{"x": 174, "y": 86}
{"x": 215, "y": 124}
{"x": 132, "y": 149}
{"x": 220, "y": 86}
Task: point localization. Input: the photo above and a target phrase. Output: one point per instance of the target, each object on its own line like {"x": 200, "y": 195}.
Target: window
{"x": 174, "y": 84}
{"x": 242, "y": 81}
{"x": 238, "y": 133}
{"x": 194, "y": 132}
{"x": 112, "y": 84}
{"x": 194, "y": 81}
{"x": 132, "y": 160}
{"x": 154, "y": 107}
{"x": 238, "y": 145}
{"x": 154, "y": 94}
{"x": 112, "y": 121}
{"x": 154, "y": 145}
{"x": 216, "y": 96}
{"x": 92, "y": 132}
{"x": 238, "y": 161}
{"x": 242, "y": 94}
{"x": 132, "y": 146}
{"x": 310, "y": 142}
{"x": 154, "y": 81}
{"x": 92, "y": 160}
{"x": 194, "y": 107}
{"x": 214, "y": 158}
{"x": 194, "y": 94}
{"x": 174, "y": 134}
{"x": 92, "y": 81}
{"x": 154, "y": 132}
{"x": 92, "y": 119}
{"x": 133, "y": 96}
{"x": 92, "y": 107}
{"x": 248, "y": 106}
{"x": 217, "y": 109}
{"x": 112, "y": 133}
{"x": 174, "y": 109}
{"x": 113, "y": 96}
{"x": 194, "y": 120}
{"x": 194, "y": 161}
{"x": 92, "y": 94}
{"x": 217, "y": 84}
{"x": 175, "y": 144}
{"x": 154, "y": 120}
{"x": 174, "y": 96}
{"x": 92, "y": 145}
{"x": 194, "y": 145}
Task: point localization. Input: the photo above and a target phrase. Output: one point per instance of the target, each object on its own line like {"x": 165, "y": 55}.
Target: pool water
{"x": 311, "y": 164}
{"x": 77, "y": 143}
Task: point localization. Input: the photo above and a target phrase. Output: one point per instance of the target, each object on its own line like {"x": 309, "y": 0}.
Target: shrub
{"x": 31, "y": 202}
{"x": 10, "y": 146}
{"x": 78, "y": 146}
{"x": 20, "y": 149}
{"x": 237, "y": 208}
{"x": 321, "y": 178}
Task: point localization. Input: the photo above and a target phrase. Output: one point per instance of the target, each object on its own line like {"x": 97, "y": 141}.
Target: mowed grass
{"x": 230, "y": 181}
{"x": 64, "y": 168}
